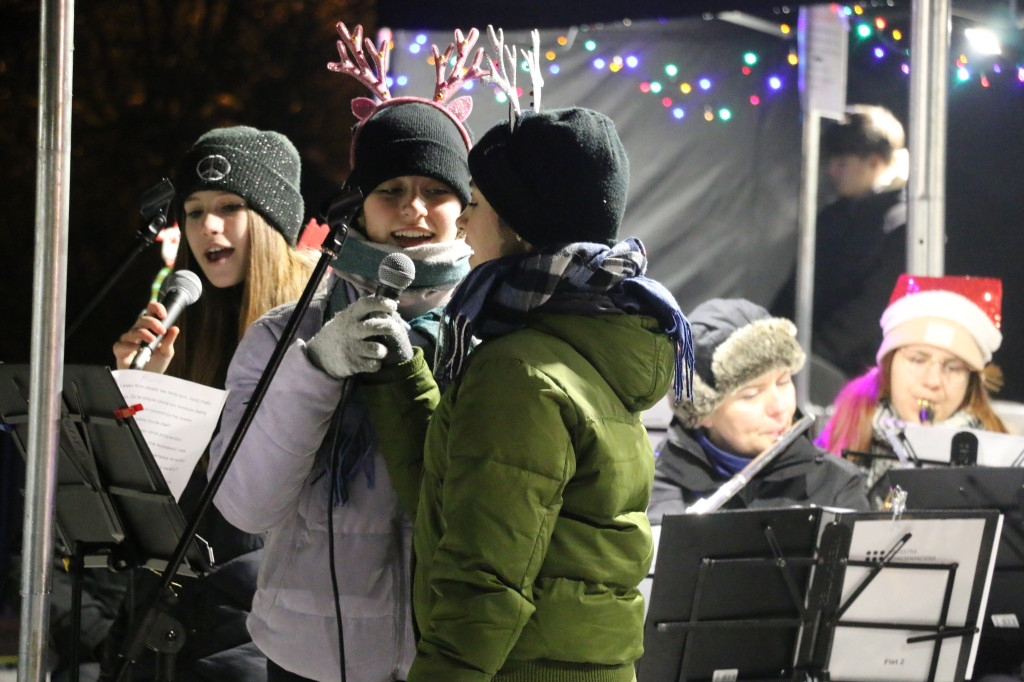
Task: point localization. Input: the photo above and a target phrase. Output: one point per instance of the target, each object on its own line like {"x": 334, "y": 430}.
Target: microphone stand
{"x": 714, "y": 501}
{"x": 155, "y": 202}
{"x": 341, "y": 210}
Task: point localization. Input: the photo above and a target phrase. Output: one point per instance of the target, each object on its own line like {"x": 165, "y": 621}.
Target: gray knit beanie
{"x": 261, "y": 166}
{"x": 735, "y": 341}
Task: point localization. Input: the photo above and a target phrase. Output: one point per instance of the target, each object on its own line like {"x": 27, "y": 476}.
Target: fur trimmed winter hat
{"x": 958, "y": 314}
{"x": 555, "y": 177}
{"x": 735, "y": 341}
{"x": 261, "y": 166}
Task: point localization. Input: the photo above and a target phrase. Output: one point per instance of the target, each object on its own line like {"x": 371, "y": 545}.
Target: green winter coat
{"x": 530, "y": 486}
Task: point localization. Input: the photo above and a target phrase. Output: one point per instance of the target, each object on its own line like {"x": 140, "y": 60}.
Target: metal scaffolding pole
{"x": 823, "y": 43}
{"x": 929, "y": 96}
{"x": 810, "y": 151}
{"x": 53, "y": 160}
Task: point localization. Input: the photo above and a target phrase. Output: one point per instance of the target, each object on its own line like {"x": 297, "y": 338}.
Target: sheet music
{"x": 177, "y": 419}
{"x": 910, "y": 595}
{"x": 933, "y": 444}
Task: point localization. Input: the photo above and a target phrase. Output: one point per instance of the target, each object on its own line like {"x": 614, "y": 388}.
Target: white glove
{"x": 394, "y": 335}
{"x": 345, "y": 346}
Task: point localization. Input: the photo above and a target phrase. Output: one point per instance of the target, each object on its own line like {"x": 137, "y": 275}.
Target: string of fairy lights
{"x": 878, "y": 41}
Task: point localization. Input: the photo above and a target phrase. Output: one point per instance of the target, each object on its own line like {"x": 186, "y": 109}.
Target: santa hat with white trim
{"x": 958, "y": 314}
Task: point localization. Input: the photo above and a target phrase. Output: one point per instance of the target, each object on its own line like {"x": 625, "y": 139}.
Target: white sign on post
{"x": 824, "y": 44}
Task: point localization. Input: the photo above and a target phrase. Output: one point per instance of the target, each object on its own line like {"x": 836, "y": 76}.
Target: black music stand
{"x": 113, "y": 507}
{"x": 793, "y": 594}
{"x": 1002, "y": 489}
{"x": 735, "y": 599}
{"x": 913, "y": 595}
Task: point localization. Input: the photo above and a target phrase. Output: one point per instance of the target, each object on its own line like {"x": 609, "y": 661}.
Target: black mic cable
{"x": 395, "y": 272}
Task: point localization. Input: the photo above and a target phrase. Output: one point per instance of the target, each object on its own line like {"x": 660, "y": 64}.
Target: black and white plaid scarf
{"x": 496, "y": 297}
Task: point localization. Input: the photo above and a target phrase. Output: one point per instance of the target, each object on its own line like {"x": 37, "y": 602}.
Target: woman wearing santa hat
{"x": 934, "y": 366}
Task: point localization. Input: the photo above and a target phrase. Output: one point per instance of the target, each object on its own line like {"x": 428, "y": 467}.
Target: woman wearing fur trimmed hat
{"x": 939, "y": 334}
{"x": 744, "y": 400}
{"x": 238, "y": 202}
{"x": 530, "y": 476}
{"x": 345, "y": 523}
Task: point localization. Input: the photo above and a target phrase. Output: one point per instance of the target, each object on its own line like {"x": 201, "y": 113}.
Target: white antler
{"x": 503, "y": 73}
{"x": 533, "y": 63}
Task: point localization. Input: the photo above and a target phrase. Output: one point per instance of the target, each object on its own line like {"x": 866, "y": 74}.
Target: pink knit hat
{"x": 961, "y": 315}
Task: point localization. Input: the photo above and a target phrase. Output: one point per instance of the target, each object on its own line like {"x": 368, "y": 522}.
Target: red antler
{"x": 358, "y": 67}
{"x": 446, "y": 87}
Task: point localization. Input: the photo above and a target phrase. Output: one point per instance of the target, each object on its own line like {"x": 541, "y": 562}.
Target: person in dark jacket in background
{"x": 744, "y": 401}
{"x": 860, "y": 246}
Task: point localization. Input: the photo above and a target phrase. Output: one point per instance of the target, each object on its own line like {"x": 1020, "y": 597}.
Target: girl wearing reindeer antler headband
{"x": 533, "y": 469}
{"x": 409, "y": 159}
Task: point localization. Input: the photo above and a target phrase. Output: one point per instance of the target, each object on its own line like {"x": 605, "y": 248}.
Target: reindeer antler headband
{"x": 373, "y": 74}
{"x": 503, "y": 75}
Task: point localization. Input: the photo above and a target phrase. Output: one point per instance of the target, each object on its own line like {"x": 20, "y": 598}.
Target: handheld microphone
{"x": 183, "y": 289}
{"x": 394, "y": 274}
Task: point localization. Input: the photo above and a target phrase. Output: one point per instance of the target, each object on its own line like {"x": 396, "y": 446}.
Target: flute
{"x": 714, "y": 501}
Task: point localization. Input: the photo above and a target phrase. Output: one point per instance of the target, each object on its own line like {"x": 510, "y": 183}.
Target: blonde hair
{"x": 850, "y": 427}
{"x": 275, "y": 273}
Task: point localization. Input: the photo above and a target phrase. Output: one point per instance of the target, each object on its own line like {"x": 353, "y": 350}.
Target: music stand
{"x": 733, "y": 597}
{"x": 913, "y": 596}
{"x": 997, "y": 488}
{"x": 113, "y": 507}
{"x": 817, "y": 594}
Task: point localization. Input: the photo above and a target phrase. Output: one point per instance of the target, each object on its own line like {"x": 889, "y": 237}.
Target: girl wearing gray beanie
{"x": 743, "y": 402}
{"x": 239, "y": 207}
{"x": 238, "y": 204}
{"x": 309, "y": 473}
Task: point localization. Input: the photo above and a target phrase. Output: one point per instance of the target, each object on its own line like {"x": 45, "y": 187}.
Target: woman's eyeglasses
{"x": 919, "y": 362}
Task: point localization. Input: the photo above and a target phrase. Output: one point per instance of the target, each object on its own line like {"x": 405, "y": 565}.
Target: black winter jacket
{"x": 803, "y": 474}
{"x": 860, "y": 251}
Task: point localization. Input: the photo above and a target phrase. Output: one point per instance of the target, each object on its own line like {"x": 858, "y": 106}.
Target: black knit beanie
{"x": 409, "y": 138}
{"x": 261, "y": 166}
{"x": 560, "y": 177}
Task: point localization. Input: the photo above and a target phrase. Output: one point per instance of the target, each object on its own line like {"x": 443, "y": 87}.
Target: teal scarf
{"x": 438, "y": 266}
